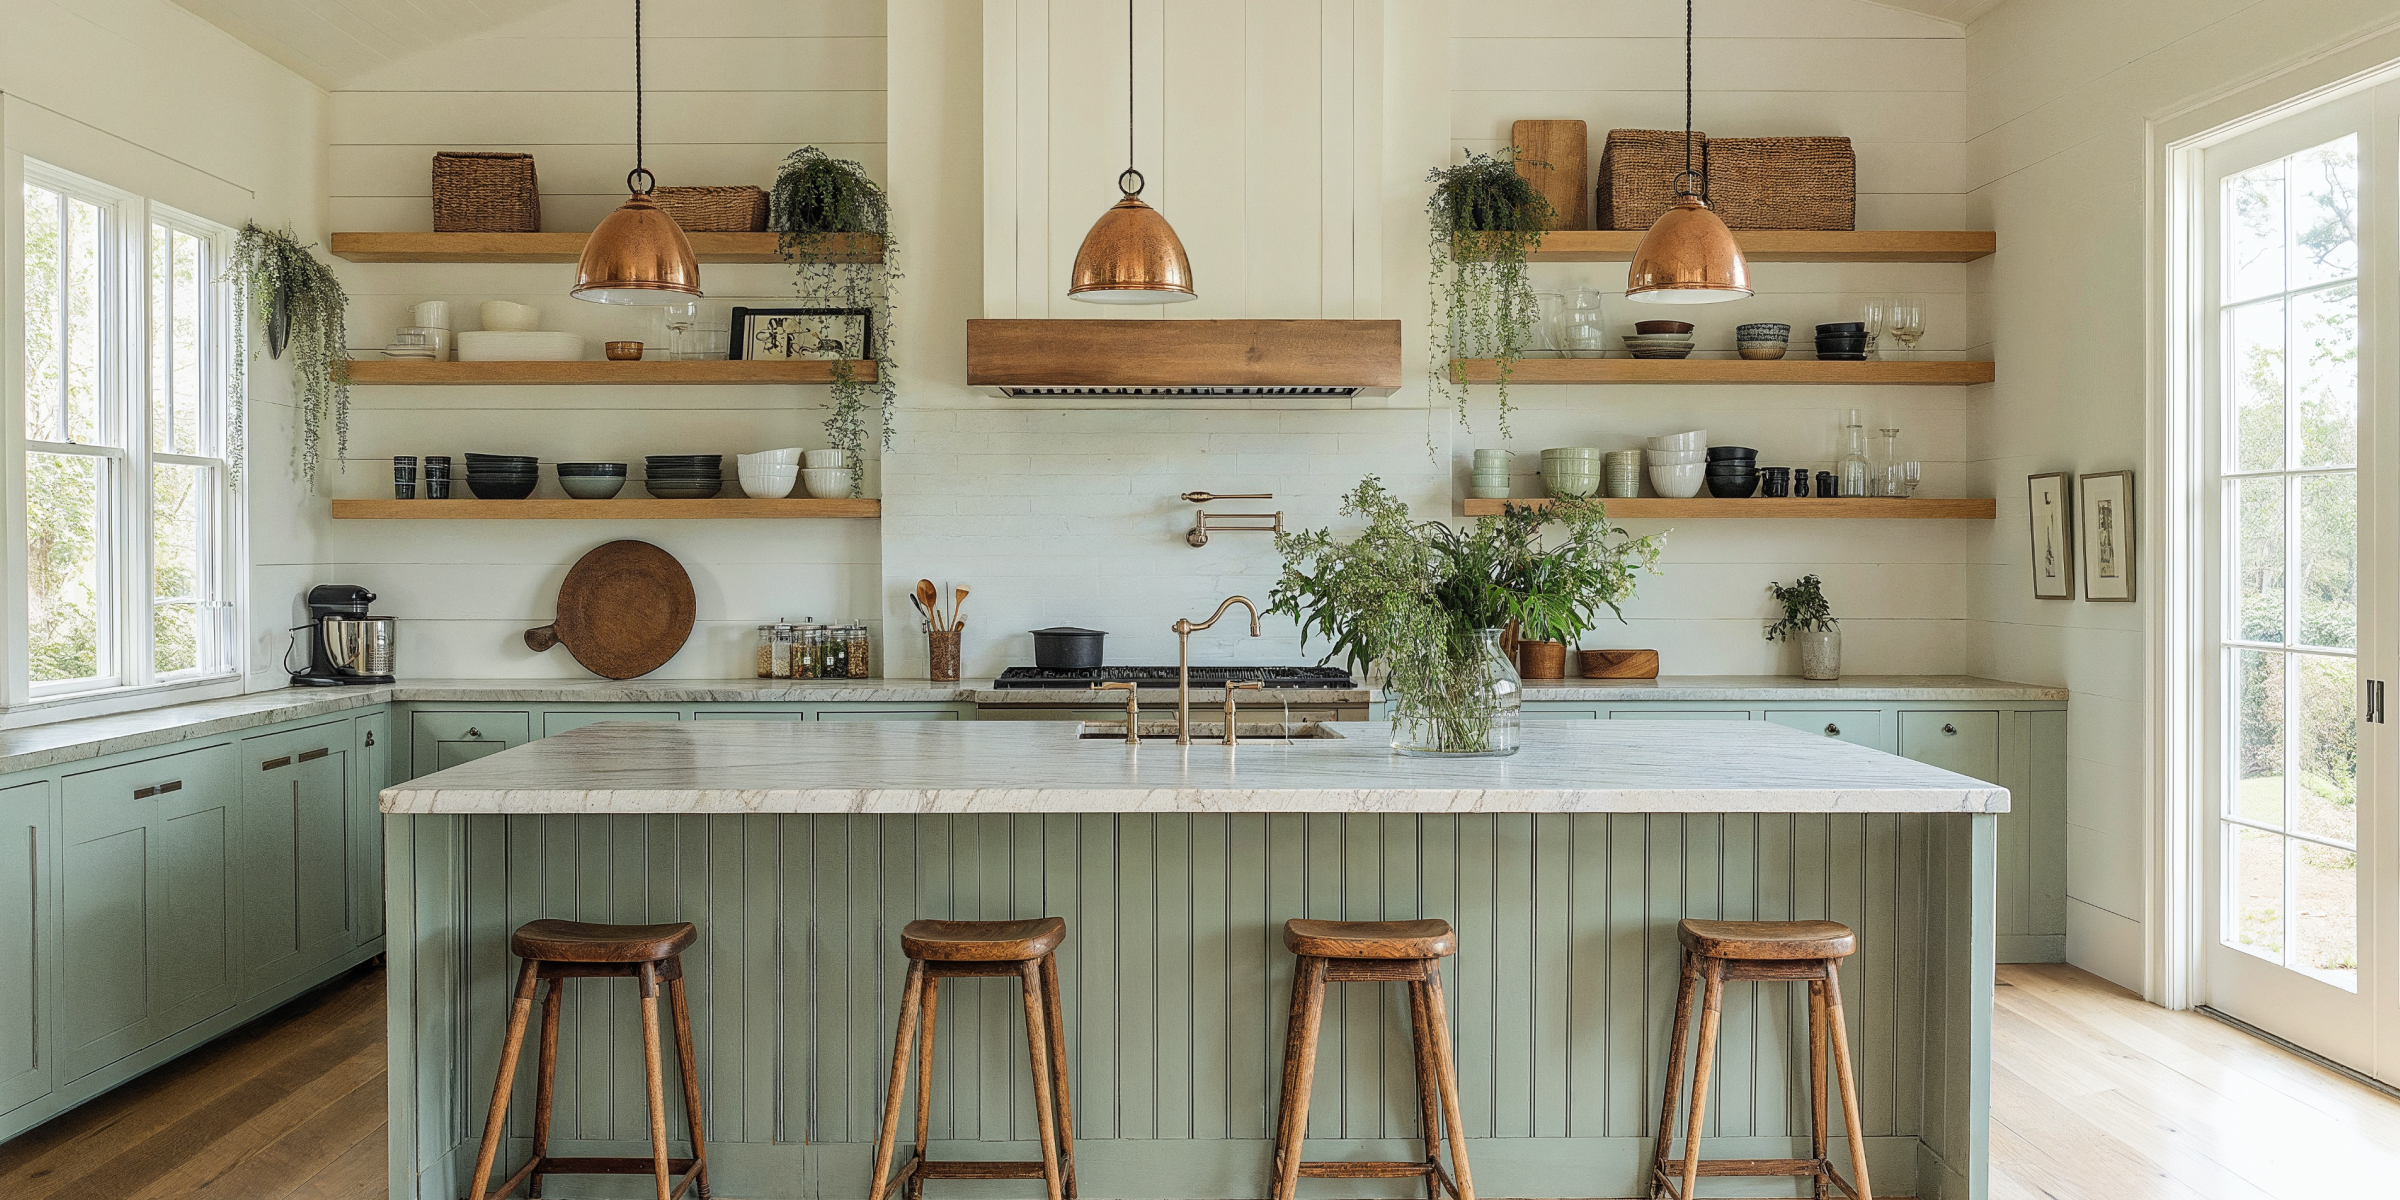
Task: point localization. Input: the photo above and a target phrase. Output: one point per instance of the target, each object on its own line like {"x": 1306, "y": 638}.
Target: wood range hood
{"x": 1238, "y": 362}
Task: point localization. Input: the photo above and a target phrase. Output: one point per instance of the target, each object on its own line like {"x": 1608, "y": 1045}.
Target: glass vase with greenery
{"x": 816, "y": 194}
{"x": 1808, "y": 622}
{"x": 301, "y": 304}
{"x": 1426, "y": 601}
{"x": 1484, "y": 219}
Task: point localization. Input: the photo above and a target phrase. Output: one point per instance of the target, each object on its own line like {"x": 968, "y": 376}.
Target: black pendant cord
{"x": 639, "y": 171}
{"x": 1131, "y": 181}
{"x": 1687, "y": 81}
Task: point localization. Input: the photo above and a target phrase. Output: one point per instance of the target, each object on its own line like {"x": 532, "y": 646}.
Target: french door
{"x": 2296, "y": 363}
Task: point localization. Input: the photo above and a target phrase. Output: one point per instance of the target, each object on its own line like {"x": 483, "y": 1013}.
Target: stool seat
{"x": 1429, "y": 938}
{"x": 982, "y": 941}
{"x": 1767, "y": 941}
{"x": 582, "y": 942}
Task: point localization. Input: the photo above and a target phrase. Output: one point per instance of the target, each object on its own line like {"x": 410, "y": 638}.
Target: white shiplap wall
{"x": 732, "y": 86}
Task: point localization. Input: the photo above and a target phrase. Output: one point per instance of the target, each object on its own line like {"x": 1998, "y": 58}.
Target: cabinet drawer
{"x": 1537, "y": 710}
{"x": 762, "y": 714}
{"x": 1654, "y": 713}
{"x": 446, "y": 739}
{"x": 1864, "y": 727}
{"x": 887, "y": 714}
{"x": 557, "y": 722}
{"x": 1965, "y": 742}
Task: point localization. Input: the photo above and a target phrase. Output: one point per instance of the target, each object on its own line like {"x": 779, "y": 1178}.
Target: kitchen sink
{"x": 1211, "y": 732}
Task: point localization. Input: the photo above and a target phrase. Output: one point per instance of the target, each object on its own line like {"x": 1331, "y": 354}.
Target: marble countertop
{"x": 1782, "y": 688}
{"x": 1003, "y": 767}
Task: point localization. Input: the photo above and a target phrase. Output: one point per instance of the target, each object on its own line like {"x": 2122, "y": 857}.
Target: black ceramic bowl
{"x": 591, "y": 468}
{"x": 1845, "y": 339}
{"x": 1841, "y": 356}
{"x": 1732, "y": 489}
{"x": 682, "y": 491}
{"x": 1716, "y": 453}
{"x": 488, "y": 488}
{"x": 1857, "y": 327}
{"x": 1733, "y": 468}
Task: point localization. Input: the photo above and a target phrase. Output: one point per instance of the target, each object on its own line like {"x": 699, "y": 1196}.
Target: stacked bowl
{"x": 1842, "y": 341}
{"x": 1732, "y": 472}
{"x": 1491, "y": 475}
{"x": 769, "y": 474}
{"x": 684, "y": 476}
{"x": 1622, "y": 469}
{"x": 591, "y": 480}
{"x": 1571, "y": 470}
{"x": 1676, "y": 462}
{"x": 828, "y": 474}
{"x": 1660, "y": 339}
{"x": 1762, "y": 339}
{"x": 502, "y": 476}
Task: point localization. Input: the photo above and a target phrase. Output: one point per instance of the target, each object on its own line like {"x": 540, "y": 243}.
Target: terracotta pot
{"x": 1542, "y": 660}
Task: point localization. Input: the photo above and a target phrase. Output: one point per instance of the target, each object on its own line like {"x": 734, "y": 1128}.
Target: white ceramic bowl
{"x": 769, "y": 483}
{"x": 827, "y": 483}
{"x": 1578, "y": 453}
{"x": 826, "y": 460}
{"x": 1673, "y": 458}
{"x": 486, "y": 345}
{"x": 1695, "y": 440}
{"x": 1679, "y": 481}
{"x": 1491, "y": 459}
{"x": 770, "y": 458}
{"x": 508, "y": 316}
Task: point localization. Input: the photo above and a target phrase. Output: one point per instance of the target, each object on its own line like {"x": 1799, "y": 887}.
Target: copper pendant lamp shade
{"x": 1132, "y": 255}
{"x": 1689, "y": 256}
{"x": 639, "y": 254}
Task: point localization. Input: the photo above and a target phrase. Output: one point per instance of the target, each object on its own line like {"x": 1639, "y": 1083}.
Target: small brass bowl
{"x": 624, "y": 351}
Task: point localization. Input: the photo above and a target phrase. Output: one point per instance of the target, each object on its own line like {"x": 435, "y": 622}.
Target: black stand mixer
{"x": 345, "y": 645}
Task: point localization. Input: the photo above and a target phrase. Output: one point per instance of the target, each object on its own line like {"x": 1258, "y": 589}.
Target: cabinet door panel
{"x": 370, "y": 767}
{"x": 1863, "y": 726}
{"x": 192, "y": 967}
{"x": 447, "y": 739}
{"x": 1965, "y": 742}
{"x": 321, "y": 831}
{"x": 270, "y": 858}
{"x": 105, "y": 1005}
{"x": 26, "y": 956}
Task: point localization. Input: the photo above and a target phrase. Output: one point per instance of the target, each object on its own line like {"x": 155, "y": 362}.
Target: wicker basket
{"x": 477, "y": 191}
{"x": 1784, "y": 182}
{"x": 715, "y": 209}
{"x": 1637, "y": 175}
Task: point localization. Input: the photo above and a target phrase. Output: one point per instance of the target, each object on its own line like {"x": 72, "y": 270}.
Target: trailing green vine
{"x": 1484, "y": 218}
{"x": 301, "y": 304}
{"x": 814, "y": 194}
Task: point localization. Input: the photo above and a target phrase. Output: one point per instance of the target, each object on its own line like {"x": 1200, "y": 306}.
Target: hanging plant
{"x": 1484, "y": 219}
{"x": 816, "y": 194}
{"x": 300, "y": 303}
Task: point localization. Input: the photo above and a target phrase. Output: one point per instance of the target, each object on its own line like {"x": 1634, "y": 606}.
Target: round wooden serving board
{"x": 625, "y": 609}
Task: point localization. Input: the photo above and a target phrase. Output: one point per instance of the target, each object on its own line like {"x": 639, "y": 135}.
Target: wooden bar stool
{"x": 940, "y": 950}
{"x": 1407, "y": 952}
{"x": 1785, "y": 951}
{"x": 562, "y": 950}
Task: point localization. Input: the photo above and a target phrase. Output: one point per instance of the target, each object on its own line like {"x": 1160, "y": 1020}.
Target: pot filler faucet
{"x": 1184, "y": 630}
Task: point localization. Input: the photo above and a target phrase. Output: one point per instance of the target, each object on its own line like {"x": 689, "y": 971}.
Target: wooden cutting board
{"x": 625, "y": 609}
{"x": 1620, "y": 664}
{"x": 1566, "y": 147}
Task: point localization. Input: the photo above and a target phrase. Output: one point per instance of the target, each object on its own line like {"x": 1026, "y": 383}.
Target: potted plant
{"x": 1426, "y": 602}
{"x": 301, "y": 304}
{"x": 1484, "y": 218}
{"x": 1809, "y": 623}
{"x": 817, "y": 194}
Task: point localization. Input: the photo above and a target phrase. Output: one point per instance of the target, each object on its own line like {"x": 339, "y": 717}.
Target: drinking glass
{"x": 1904, "y": 319}
{"x": 1888, "y": 480}
{"x": 1542, "y": 341}
{"x": 1873, "y": 316}
{"x": 678, "y": 318}
{"x": 1584, "y": 326}
{"x": 1912, "y": 473}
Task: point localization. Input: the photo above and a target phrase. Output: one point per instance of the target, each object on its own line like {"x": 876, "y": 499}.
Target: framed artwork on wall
{"x": 772, "y": 334}
{"x": 2051, "y": 514}
{"x": 2105, "y": 529}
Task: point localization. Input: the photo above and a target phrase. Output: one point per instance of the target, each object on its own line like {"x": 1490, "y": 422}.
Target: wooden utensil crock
{"x": 625, "y": 609}
{"x": 1619, "y": 664}
{"x": 1541, "y": 660}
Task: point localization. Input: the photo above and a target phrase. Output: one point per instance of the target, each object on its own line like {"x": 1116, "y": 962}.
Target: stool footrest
{"x": 613, "y": 1166}
{"x": 954, "y": 1169}
{"x": 1671, "y": 1175}
{"x": 1365, "y": 1170}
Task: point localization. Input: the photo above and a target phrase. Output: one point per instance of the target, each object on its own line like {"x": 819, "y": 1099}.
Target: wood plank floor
{"x": 2096, "y": 1096}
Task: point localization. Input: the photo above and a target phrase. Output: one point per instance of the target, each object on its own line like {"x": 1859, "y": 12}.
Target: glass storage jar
{"x": 766, "y": 652}
{"x": 780, "y": 663}
{"x": 860, "y": 656}
{"x": 805, "y": 651}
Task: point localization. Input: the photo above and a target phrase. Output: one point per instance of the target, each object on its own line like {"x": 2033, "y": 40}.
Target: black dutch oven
{"x": 1065, "y": 648}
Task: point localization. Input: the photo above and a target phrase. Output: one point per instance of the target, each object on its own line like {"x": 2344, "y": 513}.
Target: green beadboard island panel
{"x": 1176, "y": 984}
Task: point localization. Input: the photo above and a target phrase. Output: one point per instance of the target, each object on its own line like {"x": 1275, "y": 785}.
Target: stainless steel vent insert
{"x": 1186, "y": 392}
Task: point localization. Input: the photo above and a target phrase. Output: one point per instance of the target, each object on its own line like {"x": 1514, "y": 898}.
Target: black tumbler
{"x": 1778, "y": 482}
{"x": 1826, "y": 487}
{"x": 1800, "y": 481}
{"x": 404, "y": 476}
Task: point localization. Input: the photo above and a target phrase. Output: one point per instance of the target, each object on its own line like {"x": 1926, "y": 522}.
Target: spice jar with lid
{"x": 834, "y": 657}
{"x": 766, "y": 652}
{"x": 782, "y": 662}
{"x": 860, "y": 656}
{"x": 805, "y": 653}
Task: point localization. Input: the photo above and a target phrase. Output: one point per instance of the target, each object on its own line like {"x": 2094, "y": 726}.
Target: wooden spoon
{"x": 957, "y": 602}
{"x": 931, "y": 600}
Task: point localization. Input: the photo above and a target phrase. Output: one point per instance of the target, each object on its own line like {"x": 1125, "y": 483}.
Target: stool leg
{"x": 1420, "y": 1038}
{"x": 1058, "y": 1067}
{"x": 689, "y": 1061}
{"x": 1299, "y": 1072}
{"x": 518, "y": 1014}
{"x": 1703, "y": 1061}
{"x": 1816, "y": 1081}
{"x": 1037, "y": 1041}
{"x": 545, "y": 1075}
{"x": 1686, "y": 993}
{"x": 654, "y": 1079}
{"x": 1841, "y": 1063}
{"x": 1446, "y": 1073}
{"x": 910, "y": 994}
{"x": 931, "y": 1003}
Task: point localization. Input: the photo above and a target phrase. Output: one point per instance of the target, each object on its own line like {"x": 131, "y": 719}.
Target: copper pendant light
{"x": 638, "y": 255}
{"x": 1689, "y": 256}
{"x": 1132, "y": 255}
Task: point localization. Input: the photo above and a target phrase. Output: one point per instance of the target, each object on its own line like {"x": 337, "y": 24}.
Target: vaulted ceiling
{"x": 1961, "y": 11}
{"x": 331, "y": 41}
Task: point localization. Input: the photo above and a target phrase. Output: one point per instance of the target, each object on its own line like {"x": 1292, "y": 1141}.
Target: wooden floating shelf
{"x": 1921, "y": 372}
{"x": 623, "y": 509}
{"x": 420, "y": 372}
{"x": 568, "y": 247}
{"x": 1860, "y": 508}
{"x": 1785, "y": 245}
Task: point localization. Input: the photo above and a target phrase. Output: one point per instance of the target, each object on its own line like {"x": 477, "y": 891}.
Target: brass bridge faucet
{"x": 1184, "y": 629}
{"x": 1133, "y": 709}
{"x": 1232, "y": 718}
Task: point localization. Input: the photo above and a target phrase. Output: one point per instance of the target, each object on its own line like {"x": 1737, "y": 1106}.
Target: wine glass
{"x": 678, "y": 318}
{"x": 1873, "y": 316}
{"x": 1904, "y": 319}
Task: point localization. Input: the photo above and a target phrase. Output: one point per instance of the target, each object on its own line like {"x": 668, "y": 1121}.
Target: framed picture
{"x": 2052, "y": 518}
{"x": 2106, "y": 531}
{"x": 786, "y": 333}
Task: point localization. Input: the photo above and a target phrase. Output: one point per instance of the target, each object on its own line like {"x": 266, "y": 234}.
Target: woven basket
{"x": 715, "y": 209}
{"x": 1784, "y": 182}
{"x": 477, "y": 191}
{"x": 1637, "y": 175}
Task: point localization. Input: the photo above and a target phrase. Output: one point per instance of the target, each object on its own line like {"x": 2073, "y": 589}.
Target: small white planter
{"x": 1820, "y": 653}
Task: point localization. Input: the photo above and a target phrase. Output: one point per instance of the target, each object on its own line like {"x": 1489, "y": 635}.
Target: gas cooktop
{"x": 1332, "y": 678}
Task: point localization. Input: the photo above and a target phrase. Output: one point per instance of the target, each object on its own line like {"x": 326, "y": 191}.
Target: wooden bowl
{"x": 1618, "y": 664}
{"x": 624, "y": 351}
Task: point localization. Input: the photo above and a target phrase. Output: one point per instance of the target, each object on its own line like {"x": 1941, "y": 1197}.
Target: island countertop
{"x": 973, "y": 767}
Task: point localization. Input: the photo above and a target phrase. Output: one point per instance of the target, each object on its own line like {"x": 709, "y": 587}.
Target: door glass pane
{"x": 2326, "y": 931}
{"x": 2328, "y": 584}
{"x": 62, "y": 565}
{"x": 2325, "y": 375}
{"x": 2258, "y": 794}
{"x": 2324, "y": 213}
{"x": 2258, "y": 565}
{"x": 175, "y": 498}
{"x": 2254, "y": 232}
{"x": 2326, "y": 800}
{"x": 2254, "y": 860}
{"x": 2254, "y": 376}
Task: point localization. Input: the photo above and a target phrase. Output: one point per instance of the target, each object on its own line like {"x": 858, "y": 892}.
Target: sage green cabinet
{"x": 1965, "y": 742}
{"x": 147, "y": 904}
{"x": 894, "y": 714}
{"x": 1697, "y": 714}
{"x": 370, "y": 773}
{"x": 296, "y": 853}
{"x": 27, "y": 951}
{"x": 1863, "y": 726}
{"x": 443, "y": 740}
{"x": 557, "y": 722}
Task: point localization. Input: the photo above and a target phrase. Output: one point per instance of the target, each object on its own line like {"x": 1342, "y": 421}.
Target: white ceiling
{"x": 1961, "y": 11}
{"x": 331, "y": 41}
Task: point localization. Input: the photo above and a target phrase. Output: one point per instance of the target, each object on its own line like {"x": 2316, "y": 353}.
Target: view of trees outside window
{"x": 2290, "y": 307}
{"x": 62, "y": 404}
{"x": 177, "y": 261}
